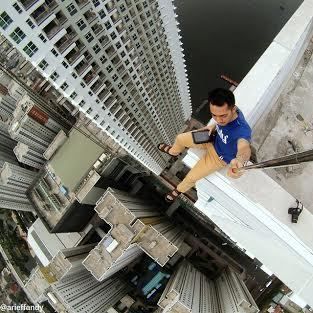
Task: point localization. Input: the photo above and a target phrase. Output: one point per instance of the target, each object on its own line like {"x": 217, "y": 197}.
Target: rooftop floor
{"x": 287, "y": 128}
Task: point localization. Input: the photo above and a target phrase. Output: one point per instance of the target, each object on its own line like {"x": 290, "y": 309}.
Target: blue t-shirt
{"x": 227, "y": 136}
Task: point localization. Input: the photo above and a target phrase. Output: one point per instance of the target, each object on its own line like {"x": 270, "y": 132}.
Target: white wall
{"x": 53, "y": 242}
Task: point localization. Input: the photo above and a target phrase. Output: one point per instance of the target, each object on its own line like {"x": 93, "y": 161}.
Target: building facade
{"x": 191, "y": 291}
{"x": 120, "y": 62}
{"x": 136, "y": 227}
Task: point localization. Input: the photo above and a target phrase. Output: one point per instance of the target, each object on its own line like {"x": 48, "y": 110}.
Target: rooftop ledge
{"x": 253, "y": 210}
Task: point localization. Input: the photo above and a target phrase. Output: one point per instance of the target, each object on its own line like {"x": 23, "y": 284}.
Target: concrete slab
{"x": 289, "y": 127}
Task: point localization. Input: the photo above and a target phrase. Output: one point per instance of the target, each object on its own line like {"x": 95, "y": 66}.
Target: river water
{"x": 226, "y": 37}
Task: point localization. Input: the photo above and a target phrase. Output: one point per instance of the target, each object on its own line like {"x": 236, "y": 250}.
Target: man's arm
{"x": 243, "y": 155}
{"x": 210, "y": 127}
{"x": 243, "y": 150}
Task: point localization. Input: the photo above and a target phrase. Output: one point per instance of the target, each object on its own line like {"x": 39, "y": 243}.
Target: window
{"x": 30, "y": 23}
{"x": 103, "y": 59}
{"x": 82, "y": 84}
{"x": 74, "y": 75}
{"x": 115, "y": 77}
{"x": 42, "y": 38}
{"x": 123, "y": 54}
{"x": 90, "y": 93}
{"x": 54, "y": 76}
{"x": 137, "y": 45}
{"x": 30, "y": 49}
{"x": 71, "y": 9}
{"x": 134, "y": 36}
{"x": 64, "y": 86}
{"x": 17, "y": 8}
{"x": 96, "y": 117}
{"x": 81, "y": 24}
{"x": 122, "y": 7}
{"x": 102, "y": 13}
{"x": 65, "y": 64}
{"x": 127, "y": 19}
{"x": 43, "y": 64}
{"x": 89, "y": 37}
{"x": 96, "y": 48}
{"x": 89, "y": 111}
{"x": 95, "y": 2}
{"x": 118, "y": 45}
{"x": 109, "y": 68}
{"x": 120, "y": 85}
{"x": 73, "y": 95}
{"x": 18, "y": 35}
{"x": 113, "y": 35}
{"x": 131, "y": 28}
{"x": 54, "y": 52}
{"x": 107, "y": 25}
{"x": 5, "y": 20}
{"x": 82, "y": 103}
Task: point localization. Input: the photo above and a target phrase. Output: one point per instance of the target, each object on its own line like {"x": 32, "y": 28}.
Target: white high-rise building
{"x": 120, "y": 62}
{"x": 78, "y": 291}
{"x": 136, "y": 227}
{"x": 191, "y": 291}
{"x": 81, "y": 292}
{"x": 14, "y": 181}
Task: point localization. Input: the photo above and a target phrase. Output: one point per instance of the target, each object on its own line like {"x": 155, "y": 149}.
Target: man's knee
{"x": 183, "y": 138}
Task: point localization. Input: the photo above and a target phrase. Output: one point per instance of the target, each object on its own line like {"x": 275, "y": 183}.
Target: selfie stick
{"x": 288, "y": 160}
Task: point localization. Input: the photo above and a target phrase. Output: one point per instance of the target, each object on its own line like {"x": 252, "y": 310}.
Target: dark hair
{"x": 219, "y": 96}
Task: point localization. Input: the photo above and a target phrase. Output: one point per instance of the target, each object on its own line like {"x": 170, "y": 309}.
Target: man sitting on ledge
{"x": 230, "y": 146}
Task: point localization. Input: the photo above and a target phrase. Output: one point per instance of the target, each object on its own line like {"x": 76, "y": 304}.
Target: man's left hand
{"x": 233, "y": 171}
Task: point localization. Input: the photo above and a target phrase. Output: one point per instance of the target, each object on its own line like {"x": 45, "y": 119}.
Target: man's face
{"x": 222, "y": 115}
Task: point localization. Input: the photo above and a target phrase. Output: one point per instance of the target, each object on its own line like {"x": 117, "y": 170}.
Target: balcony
{"x": 116, "y": 60}
{"x": 74, "y": 54}
{"x": 110, "y": 102}
{"x": 82, "y": 67}
{"x": 120, "y": 28}
{"x": 110, "y": 6}
{"x": 90, "y": 16}
{"x": 121, "y": 70}
{"x": 44, "y": 11}
{"x": 97, "y": 85}
{"x": 126, "y": 78}
{"x": 66, "y": 41}
{"x": 104, "y": 40}
{"x": 125, "y": 40}
{"x": 110, "y": 51}
{"x": 116, "y": 18}
{"x": 95, "y": 66}
{"x": 97, "y": 28}
{"x": 91, "y": 75}
{"x": 55, "y": 26}
{"x": 81, "y": 3}
{"x": 88, "y": 56}
{"x": 104, "y": 94}
{"x": 27, "y": 4}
